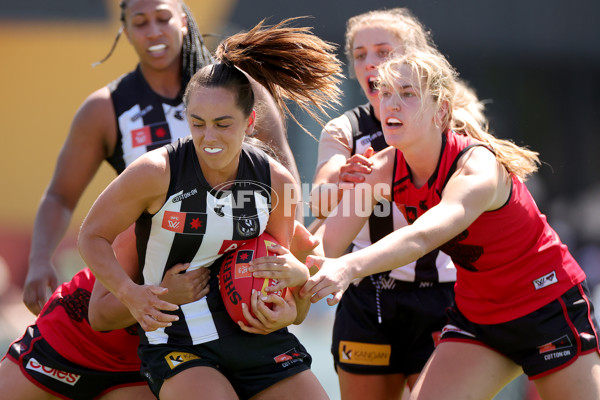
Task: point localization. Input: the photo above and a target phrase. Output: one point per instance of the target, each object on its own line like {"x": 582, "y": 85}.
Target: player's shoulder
{"x": 279, "y": 173}
{"x": 340, "y": 124}
{"x": 98, "y": 103}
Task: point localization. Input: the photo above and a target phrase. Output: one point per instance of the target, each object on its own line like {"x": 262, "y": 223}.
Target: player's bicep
{"x": 141, "y": 187}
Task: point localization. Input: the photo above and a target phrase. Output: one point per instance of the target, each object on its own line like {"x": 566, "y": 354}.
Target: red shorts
{"x": 542, "y": 342}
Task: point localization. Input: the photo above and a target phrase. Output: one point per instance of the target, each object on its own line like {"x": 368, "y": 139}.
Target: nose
{"x": 373, "y": 60}
{"x": 371, "y": 63}
{"x": 392, "y": 103}
{"x": 209, "y": 135}
{"x": 154, "y": 30}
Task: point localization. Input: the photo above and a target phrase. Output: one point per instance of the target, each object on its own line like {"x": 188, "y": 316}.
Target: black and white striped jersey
{"x": 198, "y": 224}
{"x": 145, "y": 119}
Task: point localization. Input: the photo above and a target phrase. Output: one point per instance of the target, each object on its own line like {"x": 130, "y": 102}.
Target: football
{"x": 236, "y": 282}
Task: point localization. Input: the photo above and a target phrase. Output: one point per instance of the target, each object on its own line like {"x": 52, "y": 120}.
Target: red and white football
{"x": 236, "y": 282}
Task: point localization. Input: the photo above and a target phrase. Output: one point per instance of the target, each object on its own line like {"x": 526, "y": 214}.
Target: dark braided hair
{"x": 194, "y": 53}
{"x": 291, "y": 63}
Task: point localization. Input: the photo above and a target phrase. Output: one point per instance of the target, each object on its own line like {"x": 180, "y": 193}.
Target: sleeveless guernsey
{"x": 198, "y": 224}
{"x": 510, "y": 262}
{"x": 145, "y": 119}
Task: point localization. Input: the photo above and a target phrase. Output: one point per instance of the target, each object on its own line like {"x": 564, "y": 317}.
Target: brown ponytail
{"x": 291, "y": 63}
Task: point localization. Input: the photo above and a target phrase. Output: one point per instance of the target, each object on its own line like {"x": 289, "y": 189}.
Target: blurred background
{"x": 535, "y": 62}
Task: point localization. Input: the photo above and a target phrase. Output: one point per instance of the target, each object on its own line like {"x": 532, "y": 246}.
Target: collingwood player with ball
{"x": 182, "y": 197}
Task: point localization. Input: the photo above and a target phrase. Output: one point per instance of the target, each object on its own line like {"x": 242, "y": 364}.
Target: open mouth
{"x": 213, "y": 150}
{"x": 157, "y": 47}
{"x": 393, "y": 122}
{"x": 372, "y": 82}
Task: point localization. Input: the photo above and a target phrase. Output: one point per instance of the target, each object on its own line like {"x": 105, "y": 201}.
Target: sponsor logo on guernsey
{"x": 545, "y": 281}
{"x": 184, "y": 222}
{"x": 68, "y": 378}
{"x": 363, "y": 144}
{"x": 177, "y": 358}
{"x": 140, "y": 114}
{"x": 364, "y": 353}
{"x": 141, "y": 136}
{"x": 451, "y": 328}
{"x": 290, "y": 357}
{"x": 149, "y": 134}
{"x": 219, "y": 210}
{"x": 184, "y": 196}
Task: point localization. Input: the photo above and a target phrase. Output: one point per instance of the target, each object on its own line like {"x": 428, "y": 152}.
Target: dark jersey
{"x": 145, "y": 119}
{"x": 198, "y": 224}
{"x": 509, "y": 261}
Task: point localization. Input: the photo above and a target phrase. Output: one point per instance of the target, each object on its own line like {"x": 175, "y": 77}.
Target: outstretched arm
{"x": 480, "y": 184}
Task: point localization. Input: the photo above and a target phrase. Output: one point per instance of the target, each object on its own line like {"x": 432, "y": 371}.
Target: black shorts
{"x": 250, "y": 362}
{"x": 42, "y": 365}
{"x": 542, "y": 342}
{"x": 412, "y": 317}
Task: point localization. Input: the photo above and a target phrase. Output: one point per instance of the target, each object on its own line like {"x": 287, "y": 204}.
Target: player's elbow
{"x": 99, "y": 321}
{"x": 108, "y": 317}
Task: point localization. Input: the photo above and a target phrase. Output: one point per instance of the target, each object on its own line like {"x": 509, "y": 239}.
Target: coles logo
{"x": 62, "y": 376}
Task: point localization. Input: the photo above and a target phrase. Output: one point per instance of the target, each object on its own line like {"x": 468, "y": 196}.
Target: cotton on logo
{"x": 62, "y": 376}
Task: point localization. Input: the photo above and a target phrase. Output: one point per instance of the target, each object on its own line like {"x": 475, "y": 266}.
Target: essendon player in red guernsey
{"x": 521, "y": 300}
{"x": 62, "y": 357}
